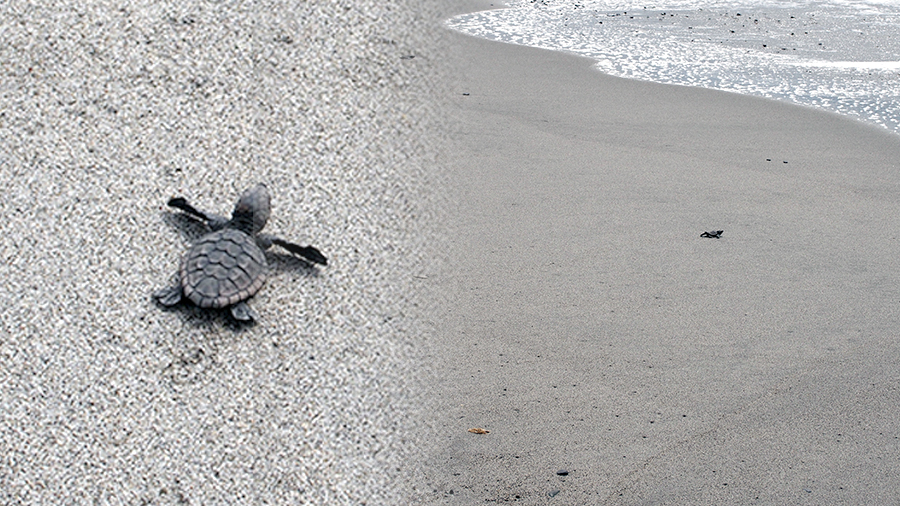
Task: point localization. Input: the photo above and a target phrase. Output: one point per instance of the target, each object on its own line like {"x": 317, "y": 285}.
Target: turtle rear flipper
{"x": 243, "y": 312}
{"x": 168, "y": 296}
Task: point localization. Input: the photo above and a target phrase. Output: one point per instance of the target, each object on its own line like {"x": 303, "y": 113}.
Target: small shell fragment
{"x": 477, "y": 430}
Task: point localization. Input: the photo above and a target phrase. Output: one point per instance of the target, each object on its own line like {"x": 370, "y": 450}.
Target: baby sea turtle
{"x": 227, "y": 266}
{"x": 715, "y": 234}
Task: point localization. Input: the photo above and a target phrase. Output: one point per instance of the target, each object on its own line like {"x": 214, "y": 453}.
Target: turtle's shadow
{"x": 192, "y": 229}
{"x": 279, "y": 261}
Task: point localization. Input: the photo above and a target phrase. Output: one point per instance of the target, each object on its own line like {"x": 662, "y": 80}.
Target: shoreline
{"x": 765, "y": 58}
{"x": 590, "y": 329}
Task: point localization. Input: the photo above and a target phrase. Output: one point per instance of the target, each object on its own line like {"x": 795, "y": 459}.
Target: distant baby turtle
{"x": 715, "y": 234}
{"x": 227, "y": 266}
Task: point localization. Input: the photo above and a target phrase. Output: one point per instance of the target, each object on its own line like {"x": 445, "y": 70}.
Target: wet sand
{"x": 590, "y": 329}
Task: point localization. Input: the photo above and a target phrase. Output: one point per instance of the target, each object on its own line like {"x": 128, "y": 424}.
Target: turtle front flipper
{"x": 182, "y": 203}
{"x": 168, "y": 296}
{"x": 243, "y": 312}
{"x": 307, "y": 252}
{"x": 214, "y": 221}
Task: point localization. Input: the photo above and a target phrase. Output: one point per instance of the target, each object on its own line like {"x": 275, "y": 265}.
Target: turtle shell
{"x": 222, "y": 269}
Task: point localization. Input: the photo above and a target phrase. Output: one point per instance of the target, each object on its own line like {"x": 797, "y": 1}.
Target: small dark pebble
{"x": 553, "y": 493}
{"x": 465, "y": 94}
{"x": 408, "y": 57}
{"x": 562, "y": 472}
{"x": 785, "y": 161}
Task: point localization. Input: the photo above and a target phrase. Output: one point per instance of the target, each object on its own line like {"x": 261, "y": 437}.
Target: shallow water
{"x": 838, "y": 55}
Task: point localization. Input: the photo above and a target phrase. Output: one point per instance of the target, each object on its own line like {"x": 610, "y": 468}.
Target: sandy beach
{"x": 520, "y": 254}
{"x": 107, "y": 110}
{"x": 614, "y": 355}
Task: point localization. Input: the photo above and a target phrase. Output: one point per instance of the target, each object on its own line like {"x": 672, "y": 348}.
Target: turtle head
{"x": 252, "y": 211}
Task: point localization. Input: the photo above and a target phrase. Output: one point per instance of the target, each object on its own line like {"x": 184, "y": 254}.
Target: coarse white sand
{"x": 108, "y": 109}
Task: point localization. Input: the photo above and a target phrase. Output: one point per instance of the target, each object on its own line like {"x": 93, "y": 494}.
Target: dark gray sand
{"x": 590, "y": 329}
{"x": 109, "y": 109}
